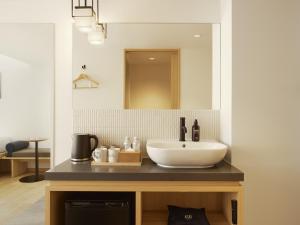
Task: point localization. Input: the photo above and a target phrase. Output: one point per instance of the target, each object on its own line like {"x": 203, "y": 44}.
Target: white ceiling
{"x": 142, "y": 57}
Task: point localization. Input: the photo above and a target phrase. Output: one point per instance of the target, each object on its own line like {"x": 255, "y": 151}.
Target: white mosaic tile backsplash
{"x": 111, "y": 126}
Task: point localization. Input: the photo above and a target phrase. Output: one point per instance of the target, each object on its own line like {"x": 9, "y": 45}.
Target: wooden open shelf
{"x": 152, "y": 198}
{"x": 154, "y": 205}
{"x": 161, "y": 218}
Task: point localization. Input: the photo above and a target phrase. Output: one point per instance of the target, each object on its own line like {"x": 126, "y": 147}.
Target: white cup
{"x": 100, "y": 154}
{"x": 113, "y": 154}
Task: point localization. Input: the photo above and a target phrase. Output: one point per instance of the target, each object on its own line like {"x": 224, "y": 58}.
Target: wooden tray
{"x": 129, "y": 157}
{"x": 116, "y": 164}
{"x": 124, "y": 159}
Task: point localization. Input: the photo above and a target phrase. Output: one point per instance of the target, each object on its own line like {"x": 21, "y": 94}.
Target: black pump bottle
{"x": 196, "y": 131}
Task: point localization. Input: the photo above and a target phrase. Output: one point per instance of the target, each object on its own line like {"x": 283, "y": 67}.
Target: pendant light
{"x": 97, "y": 35}
{"x": 86, "y": 17}
{"x": 84, "y": 24}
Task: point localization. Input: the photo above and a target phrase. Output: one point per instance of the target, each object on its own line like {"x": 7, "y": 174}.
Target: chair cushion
{"x": 3, "y": 142}
{"x": 29, "y": 152}
{"x": 16, "y": 146}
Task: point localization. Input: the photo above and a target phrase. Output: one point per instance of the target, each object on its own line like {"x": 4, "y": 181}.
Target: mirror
{"x": 150, "y": 66}
{"x": 27, "y": 84}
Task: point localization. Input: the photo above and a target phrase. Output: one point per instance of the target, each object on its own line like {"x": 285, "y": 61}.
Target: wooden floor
{"x": 16, "y": 197}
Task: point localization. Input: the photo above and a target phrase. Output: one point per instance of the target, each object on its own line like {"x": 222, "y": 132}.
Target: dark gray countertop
{"x": 147, "y": 172}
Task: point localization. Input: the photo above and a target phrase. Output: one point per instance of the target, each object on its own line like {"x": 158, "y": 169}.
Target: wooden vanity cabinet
{"x": 153, "y": 197}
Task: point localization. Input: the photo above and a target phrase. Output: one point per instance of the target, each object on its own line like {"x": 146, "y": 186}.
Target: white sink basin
{"x": 176, "y": 154}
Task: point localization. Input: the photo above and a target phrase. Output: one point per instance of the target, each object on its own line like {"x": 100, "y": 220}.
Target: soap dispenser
{"x": 196, "y": 131}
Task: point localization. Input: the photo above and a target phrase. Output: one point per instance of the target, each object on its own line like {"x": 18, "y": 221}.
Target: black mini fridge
{"x": 100, "y": 212}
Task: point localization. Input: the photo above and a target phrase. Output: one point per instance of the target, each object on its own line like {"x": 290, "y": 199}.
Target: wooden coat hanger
{"x": 84, "y": 76}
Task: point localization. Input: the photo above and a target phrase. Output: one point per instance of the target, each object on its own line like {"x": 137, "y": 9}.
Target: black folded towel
{"x": 16, "y": 146}
{"x": 188, "y": 216}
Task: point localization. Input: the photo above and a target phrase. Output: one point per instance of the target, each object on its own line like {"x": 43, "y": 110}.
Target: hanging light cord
{"x": 103, "y": 25}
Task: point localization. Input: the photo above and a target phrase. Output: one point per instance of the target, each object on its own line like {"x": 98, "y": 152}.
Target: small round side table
{"x": 36, "y": 177}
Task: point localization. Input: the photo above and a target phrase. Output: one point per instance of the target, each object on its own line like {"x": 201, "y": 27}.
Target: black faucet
{"x": 182, "y": 129}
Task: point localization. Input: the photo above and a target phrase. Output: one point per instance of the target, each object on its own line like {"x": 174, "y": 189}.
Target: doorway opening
{"x": 152, "y": 79}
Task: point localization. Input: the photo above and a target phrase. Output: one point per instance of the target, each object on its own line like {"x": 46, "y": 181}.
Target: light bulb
{"x": 96, "y": 36}
{"x": 84, "y": 24}
{"x": 197, "y": 35}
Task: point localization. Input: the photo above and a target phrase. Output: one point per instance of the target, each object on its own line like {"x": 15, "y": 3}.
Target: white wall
{"x": 226, "y": 72}
{"x": 167, "y": 11}
{"x": 196, "y": 78}
{"x": 216, "y": 66}
{"x": 266, "y": 108}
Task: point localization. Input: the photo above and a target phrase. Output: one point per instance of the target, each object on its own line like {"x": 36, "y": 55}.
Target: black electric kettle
{"x": 81, "y": 148}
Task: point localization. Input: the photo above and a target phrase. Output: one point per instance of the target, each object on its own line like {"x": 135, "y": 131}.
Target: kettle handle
{"x": 96, "y": 141}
